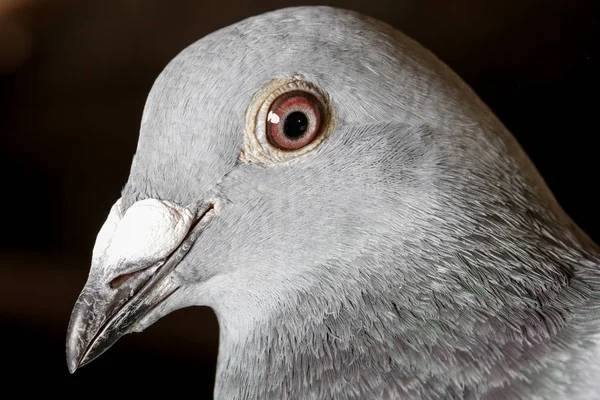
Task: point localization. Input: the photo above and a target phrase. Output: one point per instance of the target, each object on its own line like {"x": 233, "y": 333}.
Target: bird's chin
{"x": 106, "y": 311}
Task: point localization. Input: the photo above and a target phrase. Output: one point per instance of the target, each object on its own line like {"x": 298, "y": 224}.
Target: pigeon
{"x": 361, "y": 223}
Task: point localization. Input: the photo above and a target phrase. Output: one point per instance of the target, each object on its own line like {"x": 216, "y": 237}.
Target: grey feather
{"x": 416, "y": 253}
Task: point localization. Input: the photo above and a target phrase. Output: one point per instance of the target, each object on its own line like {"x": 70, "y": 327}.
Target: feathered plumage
{"x": 411, "y": 251}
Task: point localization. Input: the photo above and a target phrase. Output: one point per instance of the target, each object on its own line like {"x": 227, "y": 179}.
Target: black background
{"x": 74, "y": 76}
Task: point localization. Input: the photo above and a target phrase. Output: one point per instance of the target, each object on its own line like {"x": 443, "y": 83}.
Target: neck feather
{"x": 375, "y": 344}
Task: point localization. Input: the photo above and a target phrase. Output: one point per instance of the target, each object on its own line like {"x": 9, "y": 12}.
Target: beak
{"x": 105, "y": 311}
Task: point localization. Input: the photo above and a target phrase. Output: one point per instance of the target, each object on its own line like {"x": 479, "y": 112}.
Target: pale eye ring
{"x": 286, "y": 119}
{"x": 294, "y": 120}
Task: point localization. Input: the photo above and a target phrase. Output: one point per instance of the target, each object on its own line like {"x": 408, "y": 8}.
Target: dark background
{"x": 74, "y": 76}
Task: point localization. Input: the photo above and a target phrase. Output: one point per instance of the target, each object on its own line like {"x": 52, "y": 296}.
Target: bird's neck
{"x": 373, "y": 347}
{"x": 333, "y": 355}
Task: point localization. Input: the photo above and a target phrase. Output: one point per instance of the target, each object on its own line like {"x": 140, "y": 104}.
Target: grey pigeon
{"x": 363, "y": 226}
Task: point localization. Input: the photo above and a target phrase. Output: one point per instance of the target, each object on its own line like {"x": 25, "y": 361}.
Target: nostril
{"x": 122, "y": 279}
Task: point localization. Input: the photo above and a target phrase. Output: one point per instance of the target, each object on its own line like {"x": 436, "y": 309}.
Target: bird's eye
{"x": 286, "y": 119}
{"x": 293, "y": 120}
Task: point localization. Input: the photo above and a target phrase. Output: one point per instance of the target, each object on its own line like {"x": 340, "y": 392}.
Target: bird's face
{"x": 272, "y": 154}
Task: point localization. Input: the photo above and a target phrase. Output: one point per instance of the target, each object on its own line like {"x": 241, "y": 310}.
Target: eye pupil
{"x": 295, "y": 125}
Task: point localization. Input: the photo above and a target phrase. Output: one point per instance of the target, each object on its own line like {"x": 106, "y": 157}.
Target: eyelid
{"x": 256, "y": 148}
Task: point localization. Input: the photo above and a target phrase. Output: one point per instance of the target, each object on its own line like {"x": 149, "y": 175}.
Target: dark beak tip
{"x": 72, "y": 358}
{"x": 76, "y": 335}
{"x": 72, "y": 365}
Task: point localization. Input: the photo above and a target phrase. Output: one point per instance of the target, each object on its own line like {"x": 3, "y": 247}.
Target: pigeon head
{"x": 315, "y": 171}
